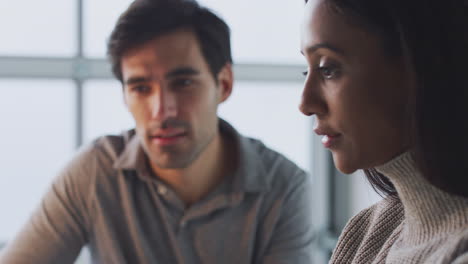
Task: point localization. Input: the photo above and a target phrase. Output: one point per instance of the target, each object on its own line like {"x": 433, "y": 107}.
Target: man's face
{"x": 173, "y": 97}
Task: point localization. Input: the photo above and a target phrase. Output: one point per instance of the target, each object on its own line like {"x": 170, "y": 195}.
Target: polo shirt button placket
{"x": 162, "y": 190}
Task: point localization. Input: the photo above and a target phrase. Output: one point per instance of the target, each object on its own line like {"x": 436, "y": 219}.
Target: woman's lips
{"x": 329, "y": 140}
{"x": 329, "y": 137}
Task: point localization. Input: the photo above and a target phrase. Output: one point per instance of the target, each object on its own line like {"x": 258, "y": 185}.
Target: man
{"x": 184, "y": 186}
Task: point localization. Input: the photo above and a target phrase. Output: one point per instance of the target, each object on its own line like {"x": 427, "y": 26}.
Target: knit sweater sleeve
{"x": 457, "y": 250}
{"x": 366, "y": 233}
{"x": 463, "y": 259}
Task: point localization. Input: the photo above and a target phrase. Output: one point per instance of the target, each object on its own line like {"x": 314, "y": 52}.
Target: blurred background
{"x": 57, "y": 93}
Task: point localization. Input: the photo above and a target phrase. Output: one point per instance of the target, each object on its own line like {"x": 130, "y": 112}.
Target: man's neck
{"x": 203, "y": 175}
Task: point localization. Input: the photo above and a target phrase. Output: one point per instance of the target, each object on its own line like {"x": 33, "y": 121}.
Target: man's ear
{"x": 225, "y": 82}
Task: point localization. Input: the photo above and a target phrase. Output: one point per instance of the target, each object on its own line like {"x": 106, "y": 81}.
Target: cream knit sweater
{"x": 426, "y": 225}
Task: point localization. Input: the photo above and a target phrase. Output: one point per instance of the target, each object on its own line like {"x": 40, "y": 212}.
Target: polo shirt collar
{"x": 251, "y": 174}
{"x": 133, "y": 157}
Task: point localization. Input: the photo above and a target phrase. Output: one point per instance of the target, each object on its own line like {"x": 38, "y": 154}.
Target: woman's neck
{"x": 429, "y": 211}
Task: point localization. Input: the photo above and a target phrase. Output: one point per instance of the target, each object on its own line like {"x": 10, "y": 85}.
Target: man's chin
{"x": 167, "y": 161}
{"x": 170, "y": 165}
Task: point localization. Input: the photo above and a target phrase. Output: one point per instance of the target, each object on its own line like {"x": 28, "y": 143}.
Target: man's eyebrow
{"x": 323, "y": 45}
{"x": 171, "y": 74}
{"x": 182, "y": 71}
{"x": 136, "y": 79}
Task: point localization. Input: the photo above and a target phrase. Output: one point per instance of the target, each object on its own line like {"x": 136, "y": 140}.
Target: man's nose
{"x": 164, "y": 105}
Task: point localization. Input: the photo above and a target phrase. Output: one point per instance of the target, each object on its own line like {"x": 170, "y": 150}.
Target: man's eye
{"x": 180, "y": 83}
{"x": 141, "y": 88}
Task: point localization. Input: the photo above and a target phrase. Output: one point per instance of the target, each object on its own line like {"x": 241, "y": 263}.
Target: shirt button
{"x": 162, "y": 190}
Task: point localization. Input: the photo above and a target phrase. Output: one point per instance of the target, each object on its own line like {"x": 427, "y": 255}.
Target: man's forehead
{"x": 175, "y": 52}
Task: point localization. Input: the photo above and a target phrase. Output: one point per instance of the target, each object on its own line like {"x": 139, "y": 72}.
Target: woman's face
{"x": 357, "y": 93}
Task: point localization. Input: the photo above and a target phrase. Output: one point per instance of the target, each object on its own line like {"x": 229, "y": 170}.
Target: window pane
{"x": 361, "y": 193}
{"x": 269, "y": 112}
{"x": 99, "y": 20}
{"x": 38, "y": 28}
{"x": 263, "y": 31}
{"x": 104, "y": 109}
{"x": 37, "y": 123}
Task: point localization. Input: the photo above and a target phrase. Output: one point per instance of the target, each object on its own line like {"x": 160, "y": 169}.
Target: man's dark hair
{"x": 145, "y": 20}
{"x": 432, "y": 38}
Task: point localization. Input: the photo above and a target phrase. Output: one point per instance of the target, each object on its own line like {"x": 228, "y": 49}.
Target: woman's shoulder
{"x": 387, "y": 211}
{"x": 367, "y": 232}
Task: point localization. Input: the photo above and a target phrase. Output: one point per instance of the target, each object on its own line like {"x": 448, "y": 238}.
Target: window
{"x": 38, "y": 28}
{"x": 104, "y": 109}
{"x": 99, "y": 19}
{"x": 269, "y": 112}
{"x": 263, "y": 31}
{"x": 276, "y": 23}
{"x": 38, "y": 132}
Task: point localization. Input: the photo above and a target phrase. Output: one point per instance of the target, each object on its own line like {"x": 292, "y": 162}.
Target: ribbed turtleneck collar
{"x": 429, "y": 211}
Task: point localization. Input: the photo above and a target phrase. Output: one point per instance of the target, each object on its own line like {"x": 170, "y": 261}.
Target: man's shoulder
{"x": 114, "y": 143}
{"x": 108, "y": 146}
{"x": 99, "y": 155}
{"x": 256, "y": 153}
{"x": 278, "y": 168}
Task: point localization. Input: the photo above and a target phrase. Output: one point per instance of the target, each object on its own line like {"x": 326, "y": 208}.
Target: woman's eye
{"x": 328, "y": 72}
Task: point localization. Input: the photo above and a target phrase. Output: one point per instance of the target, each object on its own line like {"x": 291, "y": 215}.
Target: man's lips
{"x": 167, "y": 132}
{"x": 167, "y": 136}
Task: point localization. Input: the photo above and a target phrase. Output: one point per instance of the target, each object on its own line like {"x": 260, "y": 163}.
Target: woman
{"x": 387, "y": 83}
